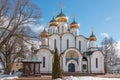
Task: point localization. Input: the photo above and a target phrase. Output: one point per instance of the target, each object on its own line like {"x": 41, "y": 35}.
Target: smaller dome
{"x": 61, "y": 17}
{"x": 53, "y": 22}
{"x": 74, "y": 24}
{"x": 92, "y": 37}
{"x": 44, "y": 34}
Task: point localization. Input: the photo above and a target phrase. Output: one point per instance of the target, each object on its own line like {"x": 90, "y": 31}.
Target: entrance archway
{"x": 71, "y": 67}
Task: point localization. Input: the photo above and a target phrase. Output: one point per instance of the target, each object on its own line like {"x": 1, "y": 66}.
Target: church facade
{"x": 77, "y": 52}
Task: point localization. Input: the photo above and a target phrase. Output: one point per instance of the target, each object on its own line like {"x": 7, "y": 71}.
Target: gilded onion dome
{"x": 44, "y": 34}
{"x": 92, "y": 37}
{"x": 61, "y": 17}
{"x": 53, "y": 22}
{"x": 74, "y": 24}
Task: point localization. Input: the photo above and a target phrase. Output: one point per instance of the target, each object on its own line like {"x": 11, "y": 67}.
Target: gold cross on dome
{"x": 53, "y": 13}
{"x": 61, "y": 5}
{"x": 74, "y": 16}
{"x": 92, "y": 29}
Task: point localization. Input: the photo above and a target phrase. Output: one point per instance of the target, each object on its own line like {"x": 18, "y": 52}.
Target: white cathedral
{"x": 77, "y": 52}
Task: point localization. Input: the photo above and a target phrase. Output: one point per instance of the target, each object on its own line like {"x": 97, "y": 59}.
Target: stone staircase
{"x": 81, "y": 74}
{"x": 76, "y": 74}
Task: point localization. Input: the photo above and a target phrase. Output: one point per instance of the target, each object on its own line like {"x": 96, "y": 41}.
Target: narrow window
{"x": 84, "y": 66}
{"x": 67, "y": 43}
{"x": 55, "y": 43}
{"x": 62, "y": 29}
{"x": 96, "y": 63}
{"x": 53, "y": 31}
{"x": 79, "y": 45}
{"x": 43, "y": 62}
{"x": 58, "y": 29}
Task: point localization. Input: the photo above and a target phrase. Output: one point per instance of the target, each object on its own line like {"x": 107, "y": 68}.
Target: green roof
{"x": 74, "y": 22}
{"x": 53, "y": 20}
{"x": 92, "y": 35}
{"x": 61, "y": 14}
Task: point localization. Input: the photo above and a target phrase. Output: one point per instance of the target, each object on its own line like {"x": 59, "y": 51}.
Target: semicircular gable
{"x": 54, "y": 35}
{"x": 83, "y": 36}
{"x": 44, "y": 51}
{"x": 97, "y": 53}
{"x": 76, "y": 52}
{"x": 68, "y": 34}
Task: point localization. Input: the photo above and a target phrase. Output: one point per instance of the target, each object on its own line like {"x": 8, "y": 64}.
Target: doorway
{"x": 71, "y": 67}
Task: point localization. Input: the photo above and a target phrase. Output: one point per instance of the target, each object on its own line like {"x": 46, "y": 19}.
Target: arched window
{"x": 58, "y": 29}
{"x": 53, "y": 31}
{"x": 67, "y": 43}
{"x": 62, "y": 29}
{"x": 96, "y": 62}
{"x": 43, "y": 62}
{"x": 55, "y": 43}
{"x": 79, "y": 45}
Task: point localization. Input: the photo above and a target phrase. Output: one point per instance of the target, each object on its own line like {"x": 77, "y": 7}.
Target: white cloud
{"x": 38, "y": 28}
{"x": 105, "y": 35}
{"x": 108, "y": 18}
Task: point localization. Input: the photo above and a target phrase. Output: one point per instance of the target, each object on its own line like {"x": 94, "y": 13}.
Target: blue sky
{"x": 103, "y": 15}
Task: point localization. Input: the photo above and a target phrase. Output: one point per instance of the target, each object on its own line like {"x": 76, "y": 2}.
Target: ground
{"x": 47, "y": 77}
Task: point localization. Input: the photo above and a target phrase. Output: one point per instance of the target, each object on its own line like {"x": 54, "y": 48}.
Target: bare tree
{"x": 108, "y": 47}
{"x": 15, "y": 47}
{"x": 16, "y": 13}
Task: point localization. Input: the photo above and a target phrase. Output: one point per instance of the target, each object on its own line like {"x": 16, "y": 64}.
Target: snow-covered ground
{"x": 90, "y": 78}
{"x": 10, "y": 77}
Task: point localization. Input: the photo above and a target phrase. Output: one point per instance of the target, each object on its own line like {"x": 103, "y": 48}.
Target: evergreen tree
{"x": 56, "y": 70}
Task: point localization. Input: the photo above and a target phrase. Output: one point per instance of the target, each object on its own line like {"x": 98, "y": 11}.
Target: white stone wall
{"x": 51, "y": 42}
{"x": 44, "y": 41}
{"x": 71, "y": 38}
{"x": 63, "y": 27}
{"x": 99, "y": 55}
{"x": 74, "y": 31}
{"x": 83, "y": 43}
{"x": 53, "y": 29}
{"x": 48, "y": 60}
{"x": 92, "y": 44}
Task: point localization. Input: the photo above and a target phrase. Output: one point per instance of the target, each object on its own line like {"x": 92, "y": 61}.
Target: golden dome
{"x": 92, "y": 37}
{"x": 53, "y": 22}
{"x": 61, "y": 17}
{"x": 74, "y": 24}
{"x": 44, "y": 34}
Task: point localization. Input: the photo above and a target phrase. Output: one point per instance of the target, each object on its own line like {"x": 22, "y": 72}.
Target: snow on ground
{"x": 90, "y": 78}
{"x": 10, "y": 77}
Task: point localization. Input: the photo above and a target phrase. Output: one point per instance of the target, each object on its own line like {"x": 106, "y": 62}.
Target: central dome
{"x": 61, "y": 17}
